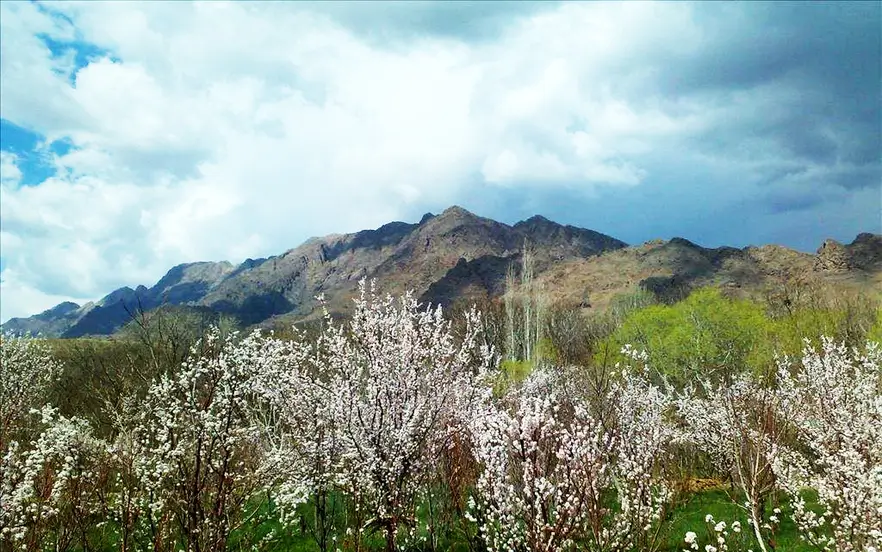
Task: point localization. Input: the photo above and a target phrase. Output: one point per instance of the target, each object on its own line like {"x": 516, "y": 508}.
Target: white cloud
{"x": 10, "y": 174}
{"x": 22, "y": 299}
{"x": 220, "y": 131}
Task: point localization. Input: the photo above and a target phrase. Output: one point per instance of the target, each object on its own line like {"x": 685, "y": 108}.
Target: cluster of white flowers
{"x": 720, "y": 537}
{"x": 740, "y": 426}
{"x": 26, "y": 371}
{"x": 368, "y": 405}
{"x": 189, "y": 453}
{"x": 543, "y": 469}
{"x": 834, "y": 396}
{"x": 818, "y": 427}
{"x": 52, "y": 484}
{"x": 550, "y": 467}
{"x": 38, "y": 479}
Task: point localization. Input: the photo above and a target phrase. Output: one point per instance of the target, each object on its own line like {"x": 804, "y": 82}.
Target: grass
{"x": 688, "y": 515}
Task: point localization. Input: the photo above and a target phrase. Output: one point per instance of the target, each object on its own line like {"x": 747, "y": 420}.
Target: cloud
{"x": 23, "y": 299}
{"x": 10, "y": 174}
{"x": 216, "y": 130}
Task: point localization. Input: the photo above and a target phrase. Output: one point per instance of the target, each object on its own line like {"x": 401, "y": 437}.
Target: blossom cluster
{"x": 834, "y": 396}
{"x": 817, "y": 427}
{"x": 550, "y": 466}
{"x": 366, "y": 407}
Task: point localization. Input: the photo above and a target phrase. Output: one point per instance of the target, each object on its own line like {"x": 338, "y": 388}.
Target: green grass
{"x": 688, "y": 515}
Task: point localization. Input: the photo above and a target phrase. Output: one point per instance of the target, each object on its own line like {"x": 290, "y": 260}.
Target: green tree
{"x": 705, "y": 335}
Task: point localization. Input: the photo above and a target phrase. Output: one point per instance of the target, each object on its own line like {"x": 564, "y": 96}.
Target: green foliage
{"x": 719, "y": 503}
{"x": 624, "y": 304}
{"x": 790, "y": 330}
{"x": 803, "y": 309}
{"x": 97, "y": 374}
{"x": 545, "y": 351}
{"x": 875, "y": 333}
{"x": 707, "y": 334}
{"x": 511, "y": 372}
{"x": 516, "y": 371}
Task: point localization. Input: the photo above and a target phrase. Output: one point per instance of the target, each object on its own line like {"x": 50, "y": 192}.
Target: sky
{"x": 137, "y": 136}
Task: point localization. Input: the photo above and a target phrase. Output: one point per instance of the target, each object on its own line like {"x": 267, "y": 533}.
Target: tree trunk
{"x": 390, "y": 535}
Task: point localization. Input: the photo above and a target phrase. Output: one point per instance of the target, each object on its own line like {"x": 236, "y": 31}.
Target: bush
{"x": 705, "y": 335}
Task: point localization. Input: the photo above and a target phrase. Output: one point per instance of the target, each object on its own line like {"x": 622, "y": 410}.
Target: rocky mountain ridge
{"x": 451, "y": 256}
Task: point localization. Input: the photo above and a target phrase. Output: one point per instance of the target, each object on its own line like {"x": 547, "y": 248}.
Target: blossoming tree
{"x": 549, "y": 468}
{"x": 194, "y": 445}
{"x": 835, "y": 397}
{"x": 391, "y": 382}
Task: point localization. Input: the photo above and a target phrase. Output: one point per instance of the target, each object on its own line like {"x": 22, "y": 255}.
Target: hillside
{"x": 671, "y": 269}
{"x": 456, "y": 255}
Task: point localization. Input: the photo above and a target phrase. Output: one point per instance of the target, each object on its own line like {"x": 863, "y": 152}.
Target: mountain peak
{"x": 538, "y": 219}
{"x": 537, "y": 222}
{"x": 61, "y": 309}
{"x": 684, "y": 242}
{"x": 867, "y": 238}
{"x": 455, "y": 211}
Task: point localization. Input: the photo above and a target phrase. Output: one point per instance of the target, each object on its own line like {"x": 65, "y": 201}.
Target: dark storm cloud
{"x": 396, "y": 21}
{"x": 812, "y": 72}
{"x": 791, "y": 95}
{"x": 829, "y": 51}
{"x": 800, "y": 200}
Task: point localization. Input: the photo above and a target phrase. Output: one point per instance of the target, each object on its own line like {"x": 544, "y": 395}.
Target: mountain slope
{"x": 399, "y": 255}
{"x": 672, "y": 269}
{"x": 184, "y": 284}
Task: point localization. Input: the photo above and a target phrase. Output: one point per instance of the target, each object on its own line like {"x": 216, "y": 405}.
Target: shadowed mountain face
{"x": 184, "y": 284}
{"x": 451, "y": 256}
{"x": 400, "y": 256}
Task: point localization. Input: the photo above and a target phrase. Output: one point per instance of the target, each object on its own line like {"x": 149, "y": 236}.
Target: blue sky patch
{"x": 84, "y": 53}
{"x": 34, "y": 159}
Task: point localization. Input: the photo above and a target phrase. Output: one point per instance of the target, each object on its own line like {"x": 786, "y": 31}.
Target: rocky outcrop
{"x": 833, "y": 257}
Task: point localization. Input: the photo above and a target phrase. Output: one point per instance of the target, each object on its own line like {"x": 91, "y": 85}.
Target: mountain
{"x": 671, "y": 269}
{"x": 456, "y": 255}
{"x": 399, "y": 255}
{"x": 52, "y": 322}
{"x": 184, "y": 284}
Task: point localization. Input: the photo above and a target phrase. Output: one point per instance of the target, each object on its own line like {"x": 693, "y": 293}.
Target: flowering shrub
{"x": 817, "y": 427}
{"x": 835, "y": 397}
{"x": 554, "y": 477}
{"x": 377, "y": 423}
{"x": 49, "y": 491}
{"x": 26, "y": 371}
{"x": 193, "y": 449}
{"x": 740, "y": 426}
{"x": 544, "y": 469}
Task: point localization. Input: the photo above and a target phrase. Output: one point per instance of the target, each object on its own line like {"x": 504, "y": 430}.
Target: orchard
{"x": 402, "y": 429}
